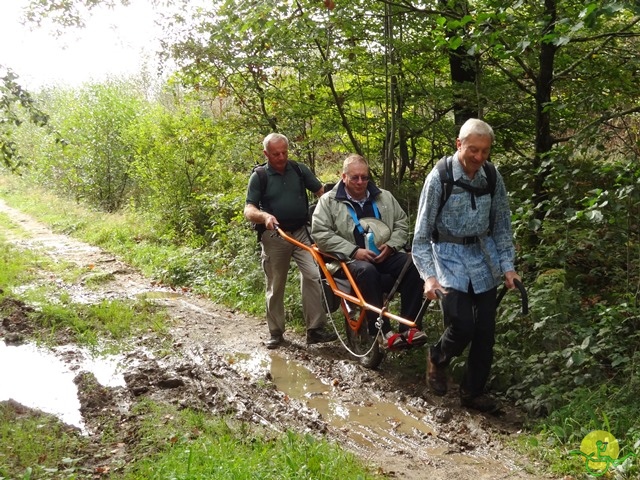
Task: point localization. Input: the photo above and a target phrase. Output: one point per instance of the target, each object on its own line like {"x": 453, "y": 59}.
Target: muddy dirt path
{"x": 219, "y": 363}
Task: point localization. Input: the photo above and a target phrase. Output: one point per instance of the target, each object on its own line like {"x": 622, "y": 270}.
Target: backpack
{"x": 262, "y": 176}
{"x": 445, "y": 171}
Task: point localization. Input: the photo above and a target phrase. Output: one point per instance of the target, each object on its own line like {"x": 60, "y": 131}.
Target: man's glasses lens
{"x": 355, "y": 178}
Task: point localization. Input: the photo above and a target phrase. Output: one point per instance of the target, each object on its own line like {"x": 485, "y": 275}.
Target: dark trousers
{"x": 373, "y": 279}
{"x": 470, "y": 318}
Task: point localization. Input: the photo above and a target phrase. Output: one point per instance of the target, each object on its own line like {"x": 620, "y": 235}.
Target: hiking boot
{"x": 318, "y": 335}
{"x": 436, "y": 376}
{"x": 275, "y": 341}
{"x": 482, "y": 403}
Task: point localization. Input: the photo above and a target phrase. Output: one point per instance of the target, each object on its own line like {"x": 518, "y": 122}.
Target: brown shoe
{"x": 436, "y": 376}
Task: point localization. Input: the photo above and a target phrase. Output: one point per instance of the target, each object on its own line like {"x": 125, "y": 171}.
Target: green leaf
{"x": 595, "y": 216}
{"x": 455, "y": 42}
{"x": 585, "y": 343}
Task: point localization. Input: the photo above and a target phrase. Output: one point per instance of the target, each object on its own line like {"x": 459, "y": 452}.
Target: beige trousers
{"x": 276, "y": 258}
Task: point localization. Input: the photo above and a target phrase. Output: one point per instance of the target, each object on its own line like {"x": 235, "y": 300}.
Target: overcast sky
{"x": 115, "y": 43}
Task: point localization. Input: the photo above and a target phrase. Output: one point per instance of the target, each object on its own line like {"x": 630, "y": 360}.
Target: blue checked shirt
{"x": 456, "y": 266}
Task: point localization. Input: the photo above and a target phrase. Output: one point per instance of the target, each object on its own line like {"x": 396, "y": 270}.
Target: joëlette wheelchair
{"x": 340, "y": 291}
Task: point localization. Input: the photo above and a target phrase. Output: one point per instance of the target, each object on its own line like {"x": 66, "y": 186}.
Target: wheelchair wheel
{"x": 365, "y": 346}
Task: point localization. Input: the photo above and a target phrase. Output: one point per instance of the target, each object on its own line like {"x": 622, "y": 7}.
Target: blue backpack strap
{"x": 376, "y": 212}
{"x": 352, "y": 212}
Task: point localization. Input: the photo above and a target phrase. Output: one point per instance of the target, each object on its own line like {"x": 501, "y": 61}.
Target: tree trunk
{"x": 543, "y": 137}
{"x": 463, "y": 71}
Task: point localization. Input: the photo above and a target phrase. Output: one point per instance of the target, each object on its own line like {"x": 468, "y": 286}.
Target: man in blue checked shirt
{"x": 463, "y": 248}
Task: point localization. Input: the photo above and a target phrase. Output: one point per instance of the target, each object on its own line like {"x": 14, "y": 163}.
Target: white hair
{"x": 475, "y": 126}
{"x": 273, "y": 137}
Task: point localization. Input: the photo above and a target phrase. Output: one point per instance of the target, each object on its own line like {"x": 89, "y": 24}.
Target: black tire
{"x": 361, "y": 343}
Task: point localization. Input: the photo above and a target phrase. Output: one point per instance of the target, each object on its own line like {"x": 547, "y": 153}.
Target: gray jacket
{"x": 332, "y": 227}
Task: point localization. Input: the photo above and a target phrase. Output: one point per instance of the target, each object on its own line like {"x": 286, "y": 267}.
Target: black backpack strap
{"x": 262, "y": 177}
{"x": 303, "y": 189}
{"x": 490, "y": 172}
{"x": 445, "y": 171}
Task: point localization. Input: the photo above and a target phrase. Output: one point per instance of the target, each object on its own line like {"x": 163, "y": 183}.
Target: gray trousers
{"x": 276, "y": 258}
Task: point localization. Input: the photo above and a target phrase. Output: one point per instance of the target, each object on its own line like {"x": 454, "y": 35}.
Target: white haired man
{"x": 283, "y": 203}
{"x": 464, "y": 248}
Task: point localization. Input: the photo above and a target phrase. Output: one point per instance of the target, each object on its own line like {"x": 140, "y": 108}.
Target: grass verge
{"x": 169, "y": 443}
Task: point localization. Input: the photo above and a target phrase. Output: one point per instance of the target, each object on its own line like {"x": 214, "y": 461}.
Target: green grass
{"x": 38, "y": 446}
{"x": 29, "y": 273}
{"x": 189, "y": 444}
{"x": 170, "y": 443}
{"x": 114, "y": 320}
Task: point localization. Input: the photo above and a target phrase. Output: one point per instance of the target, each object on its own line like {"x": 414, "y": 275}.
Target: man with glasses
{"x": 343, "y": 222}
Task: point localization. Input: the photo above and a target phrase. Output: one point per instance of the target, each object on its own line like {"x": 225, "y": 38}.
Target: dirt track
{"x": 220, "y": 364}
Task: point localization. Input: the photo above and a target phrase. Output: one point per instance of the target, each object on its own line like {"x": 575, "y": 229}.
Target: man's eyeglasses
{"x": 355, "y": 178}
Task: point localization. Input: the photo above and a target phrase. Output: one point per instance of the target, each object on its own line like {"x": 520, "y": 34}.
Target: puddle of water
{"x": 38, "y": 379}
{"x": 367, "y": 423}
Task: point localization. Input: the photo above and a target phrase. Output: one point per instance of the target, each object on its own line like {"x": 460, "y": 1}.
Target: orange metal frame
{"x": 356, "y": 298}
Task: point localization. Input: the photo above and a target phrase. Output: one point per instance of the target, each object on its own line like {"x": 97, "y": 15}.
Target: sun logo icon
{"x": 600, "y": 451}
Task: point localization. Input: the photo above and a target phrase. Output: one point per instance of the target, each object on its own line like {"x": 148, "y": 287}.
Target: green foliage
{"x": 17, "y": 105}
{"x": 94, "y": 163}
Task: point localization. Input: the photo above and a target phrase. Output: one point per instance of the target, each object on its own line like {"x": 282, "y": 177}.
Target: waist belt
{"x": 443, "y": 237}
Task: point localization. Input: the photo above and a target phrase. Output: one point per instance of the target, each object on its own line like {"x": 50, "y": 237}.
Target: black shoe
{"x": 482, "y": 403}
{"x": 436, "y": 376}
{"x": 275, "y": 341}
{"x": 318, "y": 335}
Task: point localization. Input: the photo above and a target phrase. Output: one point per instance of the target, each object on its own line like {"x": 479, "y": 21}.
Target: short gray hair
{"x": 272, "y": 137}
{"x": 351, "y": 159}
{"x": 475, "y": 126}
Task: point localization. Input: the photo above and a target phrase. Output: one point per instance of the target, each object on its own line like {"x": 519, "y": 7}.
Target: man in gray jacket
{"x": 339, "y": 226}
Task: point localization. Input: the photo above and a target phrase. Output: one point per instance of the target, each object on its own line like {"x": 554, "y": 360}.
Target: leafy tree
{"x": 93, "y": 163}
{"x": 16, "y": 106}
{"x": 552, "y": 63}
